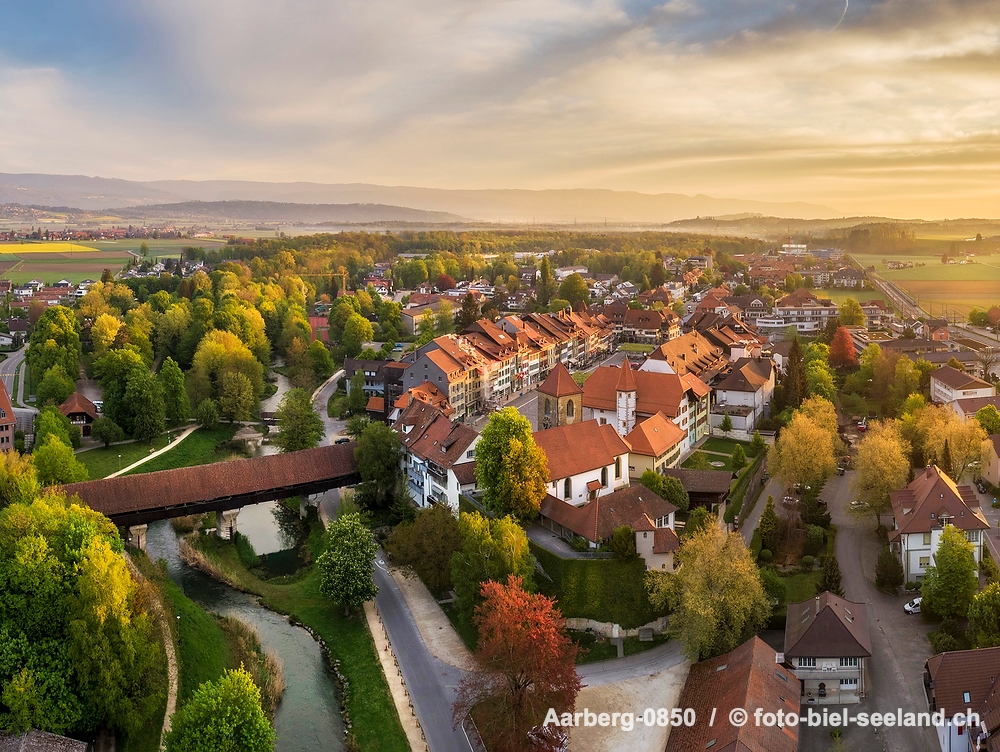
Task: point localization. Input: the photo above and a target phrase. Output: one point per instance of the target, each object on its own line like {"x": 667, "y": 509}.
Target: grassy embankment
{"x": 367, "y": 701}
{"x": 101, "y": 462}
{"x": 200, "y": 448}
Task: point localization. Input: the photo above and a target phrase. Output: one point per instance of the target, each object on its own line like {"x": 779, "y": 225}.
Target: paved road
{"x": 432, "y": 684}
{"x": 648, "y": 663}
{"x": 773, "y": 488}
{"x": 331, "y": 426}
{"x": 8, "y": 366}
{"x": 899, "y": 642}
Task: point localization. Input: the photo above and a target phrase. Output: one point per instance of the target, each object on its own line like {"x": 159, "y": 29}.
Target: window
{"x": 548, "y": 406}
{"x": 604, "y": 421}
{"x": 925, "y": 561}
{"x": 927, "y": 539}
{"x": 848, "y": 662}
{"x": 570, "y": 409}
{"x": 618, "y": 467}
{"x": 973, "y": 536}
{"x": 807, "y": 663}
{"x": 470, "y": 454}
{"x": 604, "y": 477}
{"x": 568, "y": 489}
{"x": 848, "y": 683}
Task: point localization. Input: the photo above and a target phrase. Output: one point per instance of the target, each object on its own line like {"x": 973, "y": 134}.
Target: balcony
{"x": 833, "y": 674}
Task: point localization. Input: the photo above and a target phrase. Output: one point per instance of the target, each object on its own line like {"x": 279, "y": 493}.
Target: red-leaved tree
{"x": 843, "y": 353}
{"x": 444, "y": 282}
{"x": 526, "y": 665}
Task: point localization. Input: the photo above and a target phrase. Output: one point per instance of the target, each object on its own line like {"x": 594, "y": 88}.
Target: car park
{"x": 913, "y": 607}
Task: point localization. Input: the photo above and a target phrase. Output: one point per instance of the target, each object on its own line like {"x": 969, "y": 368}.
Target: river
{"x": 308, "y": 718}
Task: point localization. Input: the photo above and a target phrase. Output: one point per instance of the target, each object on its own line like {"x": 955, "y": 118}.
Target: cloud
{"x": 896, "y": 111}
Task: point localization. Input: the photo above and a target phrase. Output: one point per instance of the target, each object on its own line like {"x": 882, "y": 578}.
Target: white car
{"x": 913, "y": 607}
{"x": 858, "y": 504}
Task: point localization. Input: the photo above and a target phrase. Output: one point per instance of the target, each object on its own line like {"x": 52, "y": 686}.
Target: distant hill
{"x": 584, "y": 206}
{"x": 273, "y": 211}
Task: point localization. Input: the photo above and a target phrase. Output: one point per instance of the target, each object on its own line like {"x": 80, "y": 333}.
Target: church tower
{"x": 560, "y": 399}
{"x": 626, "y": 394}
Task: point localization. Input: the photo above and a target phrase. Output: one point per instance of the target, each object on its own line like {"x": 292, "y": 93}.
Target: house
{"x": 562, "y": 272}
{"x": 949, "y": 384}
{"x": 748, "y": 677}
{"x": 706, "y": 488}
{"x": 80, "y": 411}
{"x": 959, "y": 683}
{"x": 690, "y": 353}
{"x": 40, "y": 741}
{"x": 850, "y": 277}
{"x": 648, "y": 326}
{"x": 586, "y": 460}
{"x": 920, "y": 513}
{"x": 434, "y": 449}
{"x": 991, "y": 466}
{"x": 650, "y": 517}
{"x": 803, "y": 310}
{"x": 877, "y": 313}
{"x": 560, "y": 399}
{"x": 622, "y": 397}
{"x": 8, "y": 420}
{"x": 966, "y": 408}
{"x": 427, "y": 393}
{"x": 827, "y": 644}
{"x": 744, "y": 395}
{"x": 656, "y": 444}
{"x": 937, "y": 330}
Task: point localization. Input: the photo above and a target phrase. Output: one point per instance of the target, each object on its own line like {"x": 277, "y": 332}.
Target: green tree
{"x": 717, "y": 595}
{"x": 699, "y": 461}
{"x": 175, "y": 398}
{"x": 356, "y": 398}
{"x": 54, "y": 387}
{"x": 850, "y": 313}
{"x": 236, "y": 396}
{"x": 444, "y": 318}
{"x": 56, "y": 464}
{"x": 145, "y": 399}
{"x": 775, "y": 587}
{"x": 989, "y": 419}
{"x": 49, "y": 421}
{"x": 820, "y": 381}
{"x": 622, "y": 542}
{"x": 357, "y": 331}
{"x": 830, "y": 580}
{"x": 113, "y": 371}
{"x": 510, "y": 468}
{"x": 55, "y": 339}
{"x": 299, "y": 427}
{"x": 546, "y": 286}
{"x": 757, "y": 444}
{"x": 768, "y": 526}
{"x": 951, "y": 583}
{"x": 106, "y": 431}
{"x": 492, "y": 549}
{"x": 221, "y": 716}
{"x": 574, "y": 290}
{"x": 739, "y": 459}
{"x": 18, "y": 480}
{"x": 346, "y": 564}
{"x": 469, "y": 312}
{"x": 378, "y": 453}
{"x": 888, "y": 571}
{"x": 699, "y": 519}
{"x": 320, "y": 360}
{"x": 207, "y": 415}
{"x": 794, "y": 384}
{"x": 427, "y": 544}
{"x": 984, "y": 617}
{"x": 726, "y": 425}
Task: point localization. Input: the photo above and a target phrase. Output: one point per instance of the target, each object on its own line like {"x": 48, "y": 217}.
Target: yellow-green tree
{"x": 883, "y": 465}
{"x": 950, "y": 585}
{"x": 492, "y": 549}
{"x": 510, "y": 468}
{"x": 850, "y": 313}
{"x": 717, "y": 596}
{"x": 803, "y": 453}
{"x": 103, "y": 332}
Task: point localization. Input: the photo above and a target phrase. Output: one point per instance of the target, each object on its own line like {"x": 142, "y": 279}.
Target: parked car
{"x": 841, "y": 470}
{"x": 980, "y": 486}
{"x": 862, "y": 425}
{"x": 913, "y": 607}
{"x": 858, "y": 504}
{"x": 344, "y": 440}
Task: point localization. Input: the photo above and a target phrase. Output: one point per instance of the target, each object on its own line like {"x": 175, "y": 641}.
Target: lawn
{"x": 101, "y": 462}
{"x": 725, "y": 459}
{"x": 802, "y": 585}
{"x": 636, "y": 347}
{"x": 581, "y": 376}
{"x": 367, "y": 700}
{"x": 200, "y": 448}
{"x": 725, "y": 446}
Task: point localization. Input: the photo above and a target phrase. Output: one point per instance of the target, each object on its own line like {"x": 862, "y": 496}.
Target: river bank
{"x": 370, "y": 715}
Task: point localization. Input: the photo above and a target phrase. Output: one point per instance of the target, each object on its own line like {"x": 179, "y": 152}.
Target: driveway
{"x": 773, "y": 488}
{"x": 899, "y": 642}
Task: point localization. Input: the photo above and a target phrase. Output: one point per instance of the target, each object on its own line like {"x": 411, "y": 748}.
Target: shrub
{"x": 245, "y": 550}
{"x": 207, "y": 414}
{"x": 815, "y": 537}
{"x": 756, "y": 544}
{"x": 765, "y": 555}
{"x": 806, "y": 562}
{"x": 623, "y": 543}
{"x": 912, "y": 586}
{"x": 888, "y": 571}
{"x": 578, "y": 543}
{"x": 989, "y": 568}
{"x": 942, "y": 642}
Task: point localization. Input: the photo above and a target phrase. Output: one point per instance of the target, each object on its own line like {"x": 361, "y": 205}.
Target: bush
{"x": 989, "y": 568}
{"x": 888, "y": 571}
{"x": 942, "y": 642}
{"x": 806, "y": 562}
{"x": 578, "y": 543}
{"x": 245, "y": 550}
{"x": 815, "y": 538}
{"x": 765, "y": 555}
{"x": 756, "y": 544}
{"x": 911, "y": 586}
{"x": 623, "y": 543}
{"x": 207, "y": 415}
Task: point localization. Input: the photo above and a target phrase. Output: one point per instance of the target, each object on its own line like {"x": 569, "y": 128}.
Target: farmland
{"x": 75, "y": 265}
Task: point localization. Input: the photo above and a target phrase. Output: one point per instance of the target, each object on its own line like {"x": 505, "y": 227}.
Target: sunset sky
{"x": 894, "y": 111}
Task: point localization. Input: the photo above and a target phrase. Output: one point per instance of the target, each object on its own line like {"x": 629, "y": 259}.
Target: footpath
{"x": 187, "y": 432}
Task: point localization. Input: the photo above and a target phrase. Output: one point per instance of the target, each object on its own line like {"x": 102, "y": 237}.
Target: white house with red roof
{"x": 586, "y": 460}
{"x": 8, "y": 420}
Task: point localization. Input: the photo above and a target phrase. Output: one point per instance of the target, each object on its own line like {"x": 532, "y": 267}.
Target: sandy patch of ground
{"x": 439, "y": 636}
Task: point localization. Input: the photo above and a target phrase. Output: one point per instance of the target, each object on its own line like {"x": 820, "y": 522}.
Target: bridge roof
{"x": 130, "y": 494}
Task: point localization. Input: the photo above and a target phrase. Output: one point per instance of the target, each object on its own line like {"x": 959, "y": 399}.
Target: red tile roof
{"x": 560, "y": 383}
{"x": 919, "y": 507}
{"x": 654, "y": 436}
{"x": 579, "y": 447}
{"x": 626, "y": 381}
{"x": 432, "y": 436}
{"x": 6, "y": 408}
{"x": 77, "y": 403}
{"x": 655, "y": 392}
{"x": 596, "y": 520}
{"x": 959, "y": 671}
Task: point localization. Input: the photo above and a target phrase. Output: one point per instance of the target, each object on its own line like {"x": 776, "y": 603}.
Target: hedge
{"x": 738, "y": 490}
{"x": 608, "y": 590}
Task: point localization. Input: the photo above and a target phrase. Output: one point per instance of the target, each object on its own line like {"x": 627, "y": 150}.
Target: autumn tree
{"x": 717, "y": 596}
{"x": 950, "y": 584}
{"x": 18, "y": 479}
{"x": 491, "y": 549}
{"x": 883, "y": 465}
{"x": 346, "y": 564}
{"x": 510, "y": 468}
{"x": 220, "y": 716}
{"x": 525, "y": 666}
{"x": 427, "y": 545}
{"x": 843, "y": 353}
{"x": 850, "y": 313}
{"x": 299, "y": 427}
{"x": 444, "y": 282}
{"x": 803, "y": 453}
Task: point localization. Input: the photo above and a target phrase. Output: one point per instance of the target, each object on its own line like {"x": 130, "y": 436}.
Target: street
{"x": 899, "y": 641}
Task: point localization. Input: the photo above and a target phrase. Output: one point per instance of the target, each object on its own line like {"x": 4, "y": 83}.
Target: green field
{"x": 839, "y": 296}
{"x": 51, "y": 267}
{"x": 102, "y": 462}
{"x": 200, "y": 448}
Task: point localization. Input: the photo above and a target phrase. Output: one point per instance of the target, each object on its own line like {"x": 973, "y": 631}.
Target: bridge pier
{"x": 137, "y": 536}
{"x": 225, "y": 523}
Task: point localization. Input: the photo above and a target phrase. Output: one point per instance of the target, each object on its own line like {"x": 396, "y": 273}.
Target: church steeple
{"x": 626, "y": 399}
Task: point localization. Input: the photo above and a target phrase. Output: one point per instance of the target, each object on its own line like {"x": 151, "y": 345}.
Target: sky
{"x": 888, "y": 107}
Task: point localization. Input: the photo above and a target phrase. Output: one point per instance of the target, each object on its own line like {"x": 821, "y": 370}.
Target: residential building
{"x": 622, "y": 397}
{"x": 949, "y": 384}
{"x": 968, "y": 406}
{"x": 706, "y": 488}
{"x": 691, "y": 353}
{"x": 80, "y": 411}
{"x": 655, "y": 444}
{"x": 586, "y": 460}
{"x": 434, "y": 448}
{"x": 803, "y": 310}
{"x": 751, "y": 307}
{"x": 427, "y": 393}
{"x": 650, "y": 517}
{"x": 827, "y": 644}
{"x": 560, "y": 399}
{"x": 991, "y": 464}
{"x": 8, "y": 420}
{"x": 920, "y": 513}
{"x": 878, "y": 313}
{"x": 650, "y": 326}
{"x": 850, "y": 277}
{"x": 960, "y": 681}
{"x": 937, "y": 330}
{"x": 748, "y": 677}
{"x": 563, "y": 272}
{"x": 744, "y": 395}
{"x": 451, "y": 367}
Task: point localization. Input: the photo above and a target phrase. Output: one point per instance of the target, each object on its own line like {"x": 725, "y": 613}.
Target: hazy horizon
{"x": 871, "y": 107}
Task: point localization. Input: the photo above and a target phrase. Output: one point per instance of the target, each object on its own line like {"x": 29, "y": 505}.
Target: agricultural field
{"x": 838, "y": 295}
{"x": 31, "y": 247}
{"x": 161, "y": 249}
{"x": 74, "y": 262}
